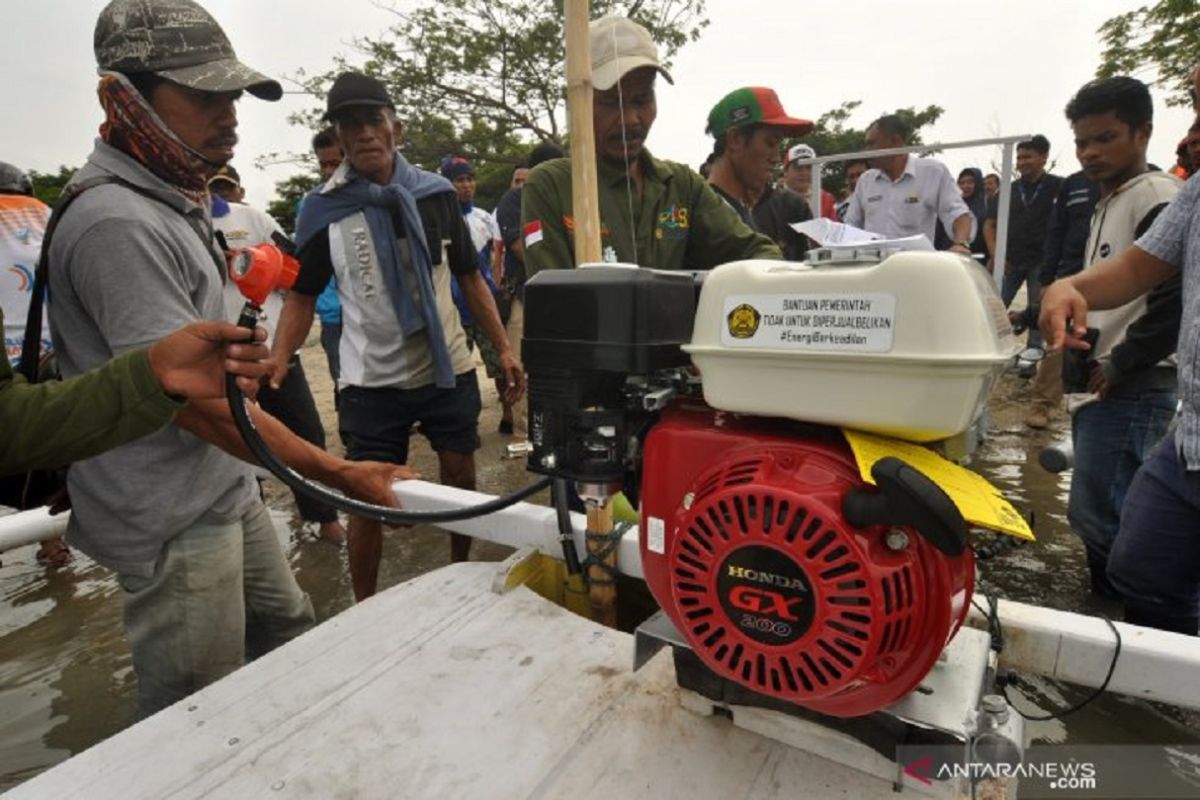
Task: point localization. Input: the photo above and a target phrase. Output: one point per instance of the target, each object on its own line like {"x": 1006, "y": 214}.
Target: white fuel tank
{"x": 904, "y": 344}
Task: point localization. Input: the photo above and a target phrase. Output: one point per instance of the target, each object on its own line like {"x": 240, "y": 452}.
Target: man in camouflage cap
{"x": 205, "y": 581}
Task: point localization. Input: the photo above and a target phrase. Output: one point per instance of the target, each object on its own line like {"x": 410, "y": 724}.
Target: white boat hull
{"x": 441, "y": 687}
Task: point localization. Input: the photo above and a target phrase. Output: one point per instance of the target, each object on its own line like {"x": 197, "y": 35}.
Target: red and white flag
{"x": 533, "y": 233}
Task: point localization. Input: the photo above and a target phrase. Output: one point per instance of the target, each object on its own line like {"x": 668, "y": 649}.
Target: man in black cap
{"x": 393, "y": 235}
{"x": 205, "y": 582}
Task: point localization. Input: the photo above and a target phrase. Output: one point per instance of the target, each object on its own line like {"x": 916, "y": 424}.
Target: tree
{"x": 1159, "y": 41}
{"x": 492, "y": 181}
{"x": 287, "y": 197}
{"x": 831, "y": 136}
{"x": 484, "y": 78}
{"x": 47, "y": 186}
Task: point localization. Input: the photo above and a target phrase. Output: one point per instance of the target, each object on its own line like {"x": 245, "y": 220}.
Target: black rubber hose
{"x": 297, "y": 482}
{"x": 566, "y": 531}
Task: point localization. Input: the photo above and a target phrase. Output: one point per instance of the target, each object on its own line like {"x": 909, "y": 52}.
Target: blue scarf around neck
{"x": 408, "y": 184}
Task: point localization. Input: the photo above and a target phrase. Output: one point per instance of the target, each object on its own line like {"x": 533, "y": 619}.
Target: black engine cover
{"x": 608, "y": 319}
{"x": 586, "y": 331}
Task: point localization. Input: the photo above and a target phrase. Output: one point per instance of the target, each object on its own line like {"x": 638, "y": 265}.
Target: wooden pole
{"x": 602, "y": 592}
{"x": 584, "y": 200}
{"x": 602, "y": 587}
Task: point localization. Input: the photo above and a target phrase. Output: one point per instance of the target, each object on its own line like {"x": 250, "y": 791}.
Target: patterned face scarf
{"x": 132, "y": 127}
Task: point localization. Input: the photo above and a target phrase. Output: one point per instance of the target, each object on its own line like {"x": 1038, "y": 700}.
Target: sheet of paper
{"x": 827, "y": 232}
{"x": 980, "y": 503}
{"x": 918, "y": 243}
{"x": 839, "y": 235}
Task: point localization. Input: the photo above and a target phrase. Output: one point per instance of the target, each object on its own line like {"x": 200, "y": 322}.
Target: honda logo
{"x": 761, "y": 601}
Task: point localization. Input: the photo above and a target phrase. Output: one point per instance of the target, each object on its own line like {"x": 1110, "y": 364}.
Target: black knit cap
{"x": 355, "y": 89}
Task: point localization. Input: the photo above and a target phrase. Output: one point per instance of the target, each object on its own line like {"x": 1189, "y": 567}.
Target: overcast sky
{"x": 999, "y": 68}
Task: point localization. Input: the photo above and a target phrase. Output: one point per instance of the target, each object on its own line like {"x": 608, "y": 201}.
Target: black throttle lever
{"x": 907, "y": 497}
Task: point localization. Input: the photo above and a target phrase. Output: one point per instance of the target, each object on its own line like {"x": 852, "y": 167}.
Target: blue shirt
{"x": 460, "y": 299}
{"x": 329, "y": 305}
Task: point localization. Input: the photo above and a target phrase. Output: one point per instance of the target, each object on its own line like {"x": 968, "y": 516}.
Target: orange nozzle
{"x": 262, "y": 269}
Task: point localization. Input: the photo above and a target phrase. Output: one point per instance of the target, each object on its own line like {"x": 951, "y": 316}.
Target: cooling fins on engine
{"x": 907, "y": 497}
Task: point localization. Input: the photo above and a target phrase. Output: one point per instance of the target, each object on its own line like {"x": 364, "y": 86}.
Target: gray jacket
{"x": 127, "y": 268}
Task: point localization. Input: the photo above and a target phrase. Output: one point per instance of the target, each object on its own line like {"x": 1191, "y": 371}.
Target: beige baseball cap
{"x": 620, "y": 45}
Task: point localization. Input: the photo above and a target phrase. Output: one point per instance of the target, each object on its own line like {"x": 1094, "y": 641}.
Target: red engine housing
{"x": 744, "y": 546}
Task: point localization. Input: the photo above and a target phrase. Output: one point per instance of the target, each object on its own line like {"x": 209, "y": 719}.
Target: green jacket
{"x": 678, "y": 221}
{"x": 50, "y": 424}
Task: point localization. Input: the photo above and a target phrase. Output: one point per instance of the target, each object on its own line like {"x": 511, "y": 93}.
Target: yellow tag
{"x": 980, "y": 503}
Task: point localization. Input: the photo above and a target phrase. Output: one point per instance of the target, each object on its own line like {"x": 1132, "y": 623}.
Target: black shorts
{"x": 375, "y": 423}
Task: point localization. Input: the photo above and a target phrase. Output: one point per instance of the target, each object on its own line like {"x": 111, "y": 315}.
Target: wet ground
{"x": 66, "y": 681}
{"x": 1053, "y": 572}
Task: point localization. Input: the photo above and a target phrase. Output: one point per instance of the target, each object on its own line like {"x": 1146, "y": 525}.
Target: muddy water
{"x": 66, "y": 681}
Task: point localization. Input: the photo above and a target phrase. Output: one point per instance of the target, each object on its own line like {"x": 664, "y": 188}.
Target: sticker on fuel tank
{"x": 743, "y": 321}
{"x": 861, "y": 322}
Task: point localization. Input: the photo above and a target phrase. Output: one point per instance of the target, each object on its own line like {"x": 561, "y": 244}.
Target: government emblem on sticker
{"x": 743, "y": 321}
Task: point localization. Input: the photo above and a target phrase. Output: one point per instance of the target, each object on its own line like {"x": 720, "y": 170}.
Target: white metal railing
{"x": 1007, "y": 145}
{"x": 519, "y": 525}
{"x": 29, "y": 527}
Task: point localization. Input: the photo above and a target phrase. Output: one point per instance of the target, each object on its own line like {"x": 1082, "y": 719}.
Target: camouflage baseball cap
{"x": 177, "y": 40}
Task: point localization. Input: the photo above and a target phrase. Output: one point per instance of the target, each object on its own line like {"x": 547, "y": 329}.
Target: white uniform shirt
{"x": 910, "y": 205}
{"x": 245, "y": 226}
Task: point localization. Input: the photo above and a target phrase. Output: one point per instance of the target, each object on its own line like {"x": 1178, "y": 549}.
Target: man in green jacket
{"x": 653, "y": 213}
{"x": 47, "y": 425}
